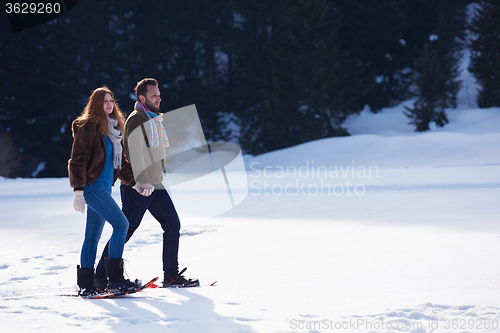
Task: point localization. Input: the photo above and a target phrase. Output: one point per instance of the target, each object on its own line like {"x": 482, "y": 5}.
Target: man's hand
{"x": 144, "y": 189}
{"x": 79, "y": 201}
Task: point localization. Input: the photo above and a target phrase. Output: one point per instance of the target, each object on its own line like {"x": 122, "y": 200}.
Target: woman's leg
{"x": 134, "y": 207}
{"x": 105, "y": 206}
{"x": 93, "y": 231}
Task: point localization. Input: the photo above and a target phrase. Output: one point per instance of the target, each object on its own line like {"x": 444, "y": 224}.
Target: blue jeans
{"x": 101, "y": 207}
{"x": 161, "y": 207}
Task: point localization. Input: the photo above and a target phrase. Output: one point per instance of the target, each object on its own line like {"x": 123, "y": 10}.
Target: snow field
{"x": 412, "y": 246}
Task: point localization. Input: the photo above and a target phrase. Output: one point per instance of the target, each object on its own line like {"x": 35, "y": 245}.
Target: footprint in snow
{"x": 59, "y": 267}
{"x": 185, "y": 232}
{"x": 52, "y": 270}
{"x": 308, "y": 316}
{"x": 246, "y": 319}
{"x": 43, "y": 308}
{"x": 20, "y": 278}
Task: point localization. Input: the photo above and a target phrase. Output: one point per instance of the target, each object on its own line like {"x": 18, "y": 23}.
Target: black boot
{"x": 178, "y": 281}
{"x": 101, "y": 283}
{"x": 114, "y": 271}
{"x": 85, "y": 280}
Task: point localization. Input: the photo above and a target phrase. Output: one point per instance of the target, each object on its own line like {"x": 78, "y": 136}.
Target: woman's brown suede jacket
{"x": 88, "y": 156}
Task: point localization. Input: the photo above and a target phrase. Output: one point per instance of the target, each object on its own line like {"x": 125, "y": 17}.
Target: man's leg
{"x": 163, "y": 211}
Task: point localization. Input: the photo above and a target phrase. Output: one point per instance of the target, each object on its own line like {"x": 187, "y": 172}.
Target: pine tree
{"x": 310, "y": 77}
{"x": 250, "y": 69}
{"x": 373, "y": 32}
{"x": 429, "y": 106}
{"x": 311, "y": 84}
{"x": 437, "y": 82}
{"x": 485, "y": 52}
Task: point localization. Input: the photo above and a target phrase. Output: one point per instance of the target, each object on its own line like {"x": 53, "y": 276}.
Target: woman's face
{"x": 108, "y": 104}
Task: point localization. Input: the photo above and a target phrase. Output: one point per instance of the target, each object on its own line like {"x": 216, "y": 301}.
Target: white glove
{"x": 79, "y": 201}
{"x": 144, "y": 189}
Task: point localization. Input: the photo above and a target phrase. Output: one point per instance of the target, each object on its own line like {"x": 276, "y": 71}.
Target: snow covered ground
{"x": 387, "y": 230}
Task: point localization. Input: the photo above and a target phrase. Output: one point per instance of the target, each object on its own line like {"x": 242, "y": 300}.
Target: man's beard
{"x": 151, "y": 106}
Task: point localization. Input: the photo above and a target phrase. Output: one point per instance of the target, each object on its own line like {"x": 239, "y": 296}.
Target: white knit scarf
{"x": 115, "y": 135}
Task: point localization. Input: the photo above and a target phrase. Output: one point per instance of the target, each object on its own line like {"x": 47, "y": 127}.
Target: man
{"x": 145, "y": 141}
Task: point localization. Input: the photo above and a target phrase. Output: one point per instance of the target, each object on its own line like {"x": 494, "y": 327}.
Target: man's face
{"x": 152, "y": 99}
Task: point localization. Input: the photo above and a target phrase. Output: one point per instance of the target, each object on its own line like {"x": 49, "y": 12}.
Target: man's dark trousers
{"x": 160, "y": 205}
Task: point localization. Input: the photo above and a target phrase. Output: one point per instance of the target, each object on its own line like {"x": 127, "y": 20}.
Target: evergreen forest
{"x": 265, "y": 74}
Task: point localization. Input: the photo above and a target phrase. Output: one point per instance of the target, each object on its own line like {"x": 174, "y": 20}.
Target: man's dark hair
{"x": 142, "y": 87}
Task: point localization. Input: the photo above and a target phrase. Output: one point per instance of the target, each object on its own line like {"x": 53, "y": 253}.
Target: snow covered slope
{"x": 387, "y": 230}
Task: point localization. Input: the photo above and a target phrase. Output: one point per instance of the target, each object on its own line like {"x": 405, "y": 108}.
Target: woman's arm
{"x": 81, "y": 152}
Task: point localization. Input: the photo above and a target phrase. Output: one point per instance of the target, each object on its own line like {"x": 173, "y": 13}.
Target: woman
{"x": 97, "y": 160}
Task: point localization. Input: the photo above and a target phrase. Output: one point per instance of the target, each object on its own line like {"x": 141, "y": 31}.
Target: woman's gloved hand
{"x": 79, "y": 201}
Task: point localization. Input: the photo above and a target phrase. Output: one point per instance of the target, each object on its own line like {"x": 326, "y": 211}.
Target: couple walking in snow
{"x": 105, "y": 148}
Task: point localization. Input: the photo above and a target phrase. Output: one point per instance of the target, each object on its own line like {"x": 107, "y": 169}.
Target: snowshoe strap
{"x": 175, "y": 278}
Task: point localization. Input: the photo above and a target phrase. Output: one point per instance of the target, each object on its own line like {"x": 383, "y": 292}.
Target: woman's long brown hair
{"x": 95, "y": 109}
